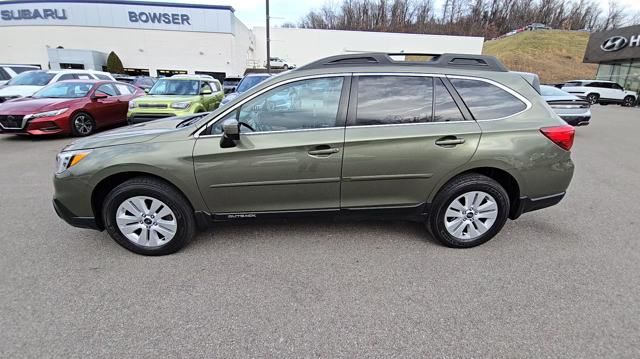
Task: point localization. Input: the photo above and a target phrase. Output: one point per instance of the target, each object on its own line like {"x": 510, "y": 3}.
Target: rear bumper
{"x": 577, "y": 120}
{"x": 526, "y": 204}
{"x": 80, "y": 222}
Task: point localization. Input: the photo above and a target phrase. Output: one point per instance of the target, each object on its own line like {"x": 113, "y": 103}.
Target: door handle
{"x": 323, "y": 150}
{"x": 449, "y": 141}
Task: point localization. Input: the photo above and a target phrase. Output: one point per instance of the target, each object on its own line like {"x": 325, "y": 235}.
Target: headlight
{"x": 181, "y": 105}
{"x": 66, "y": 160}
{"x": 132, "y": 104}
{"x": 45, "y": 114}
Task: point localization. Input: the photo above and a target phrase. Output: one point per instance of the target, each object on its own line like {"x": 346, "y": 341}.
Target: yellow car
{"x": 176, "y": 96}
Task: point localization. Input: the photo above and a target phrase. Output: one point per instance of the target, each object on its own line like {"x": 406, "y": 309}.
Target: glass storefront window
{"x": 627, "y": 74}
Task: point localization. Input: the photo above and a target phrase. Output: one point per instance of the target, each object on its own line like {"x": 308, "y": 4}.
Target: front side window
{"x": 487, "y": 101}
{"x": 385, "y": 100}
{"x": 306, "y": 104}
{"x": 107, "y": 89}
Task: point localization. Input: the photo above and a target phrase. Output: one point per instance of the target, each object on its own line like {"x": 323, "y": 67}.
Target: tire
{"x": 593, "y": 98}
{"x": 168, "y": 202}
{"x": 628, "y": 101}
{"x": 82, "y": 124}
{"x": 286, "y": 67}
{"x": 470, "y": 226}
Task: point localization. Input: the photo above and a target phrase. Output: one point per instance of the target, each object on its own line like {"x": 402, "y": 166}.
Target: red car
{"x": 76, "y": 107}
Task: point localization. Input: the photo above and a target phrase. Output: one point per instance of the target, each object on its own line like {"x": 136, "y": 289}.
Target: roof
{"x": 125, "y": 2}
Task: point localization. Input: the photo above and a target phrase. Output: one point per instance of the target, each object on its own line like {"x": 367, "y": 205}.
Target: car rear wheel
{"x": 148, "y": 216}
{"x": 593, "y": 98}
{"x": 82, "y": 124}
{"x": 628, "y": 101}
{"x": 468, "y": 211}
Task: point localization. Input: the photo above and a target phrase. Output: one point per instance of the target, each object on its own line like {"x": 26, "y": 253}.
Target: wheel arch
{"x": 106, "y": 184}
{"x": 505, "y": 178}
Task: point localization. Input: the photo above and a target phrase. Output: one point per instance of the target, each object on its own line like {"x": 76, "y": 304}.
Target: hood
{"x": 19, "y": 90}
{"x": 141, "y": 132}
{"x": 168, "y": 99}
{"x": 27, "y": 105}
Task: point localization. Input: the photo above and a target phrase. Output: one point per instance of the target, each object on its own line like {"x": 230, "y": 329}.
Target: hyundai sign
{"x": 119, "y": 14}
{"x": 619, "y": 44}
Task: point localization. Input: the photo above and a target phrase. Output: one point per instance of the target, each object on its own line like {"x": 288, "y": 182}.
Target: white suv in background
{"x": 7, "y": 72}
{"x": 280, "y": 63}
{"x": 602, "y": 92}
{"x": 29, "y": 82}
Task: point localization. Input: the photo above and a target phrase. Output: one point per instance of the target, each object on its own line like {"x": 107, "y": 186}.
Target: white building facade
{"x": 160, "y": 39}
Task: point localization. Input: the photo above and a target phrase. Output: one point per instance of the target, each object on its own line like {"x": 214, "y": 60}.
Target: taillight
{"x": 560, "y": 135}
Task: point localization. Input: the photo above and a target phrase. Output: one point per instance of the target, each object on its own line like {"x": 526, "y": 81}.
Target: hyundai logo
{"x": 614, "y": 43}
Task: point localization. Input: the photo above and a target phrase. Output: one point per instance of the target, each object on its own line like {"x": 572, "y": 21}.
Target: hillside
{"x": 556, "y": 56}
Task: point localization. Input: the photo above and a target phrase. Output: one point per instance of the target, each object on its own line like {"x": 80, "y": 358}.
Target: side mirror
{"x": 147, "y": 90}
{"x": 230, "y": 133}
{"x": 206, "y": 91}
{"x": 98, "y": 96}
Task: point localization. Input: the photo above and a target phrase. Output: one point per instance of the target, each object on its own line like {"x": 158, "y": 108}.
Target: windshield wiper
{"x": 189, "y": 121}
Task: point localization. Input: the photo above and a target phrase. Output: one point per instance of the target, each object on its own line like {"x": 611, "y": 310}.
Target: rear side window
{"x": 388, "y": 100}
{"x": 445, "y": 107}
{"x": 124, "y": 89}
{"x": 107, "y": 89}
{"x": 487, "y": 101}
{"x": 573, "y": 84}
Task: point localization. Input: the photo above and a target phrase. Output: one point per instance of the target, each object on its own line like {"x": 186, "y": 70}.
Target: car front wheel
{"x": 468, "y": 211}
{"x": 148, "y": 216}
{"x": 82, "y": 124}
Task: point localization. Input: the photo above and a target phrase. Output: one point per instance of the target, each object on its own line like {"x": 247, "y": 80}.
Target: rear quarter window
{"x": 487, "y": 101}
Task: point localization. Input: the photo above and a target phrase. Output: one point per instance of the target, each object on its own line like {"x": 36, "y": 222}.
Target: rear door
{"x": 290, "y": 159}
{"x": 404, "y": 133}
{"x": 126, "y": 93}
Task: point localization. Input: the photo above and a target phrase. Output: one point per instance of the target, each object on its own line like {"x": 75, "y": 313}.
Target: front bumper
{"x": 76, "y": 221}
{"x": 41, "y": 126}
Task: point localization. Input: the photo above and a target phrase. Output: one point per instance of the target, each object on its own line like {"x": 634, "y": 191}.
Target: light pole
{"x": 268, "y": 42}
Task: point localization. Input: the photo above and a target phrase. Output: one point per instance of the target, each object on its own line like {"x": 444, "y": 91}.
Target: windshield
{"x": 32, "y": 78}
{"x": 551, "y": 91}
{"x": 250, "y": 81}
{"x": 65, "y": 89}
{"x": 175, "y": 87}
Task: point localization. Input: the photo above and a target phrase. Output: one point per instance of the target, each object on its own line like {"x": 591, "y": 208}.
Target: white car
{"x": 7, "y": 72}
{"x": 279, "y": 63}
{"x": 602, "y": 92}
{"x": 30, "y": 82}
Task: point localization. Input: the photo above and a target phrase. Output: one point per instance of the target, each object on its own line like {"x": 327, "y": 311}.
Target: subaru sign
{"x": 120, "y": 14}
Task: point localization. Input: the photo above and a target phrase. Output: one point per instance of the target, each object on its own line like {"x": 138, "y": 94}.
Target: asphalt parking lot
{"x": 562, "y": 282}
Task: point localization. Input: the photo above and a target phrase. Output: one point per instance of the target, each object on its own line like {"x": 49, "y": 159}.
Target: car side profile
{"x": 72, "y": 107}
{"x": 601, "y": 92}
{"x": 458, "y": 143}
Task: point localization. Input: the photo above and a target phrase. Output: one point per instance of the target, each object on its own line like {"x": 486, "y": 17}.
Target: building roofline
{"x": 123, "y": 2}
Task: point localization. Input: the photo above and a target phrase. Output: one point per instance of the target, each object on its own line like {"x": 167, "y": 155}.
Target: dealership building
{"x": 617, "y": 53}
{"x": 161, "y": 38}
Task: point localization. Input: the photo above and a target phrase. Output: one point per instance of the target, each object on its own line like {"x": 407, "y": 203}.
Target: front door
{"x": 289, "y": 155}
{"x": 107, "y": 110}
{"x": 403, "y": 134}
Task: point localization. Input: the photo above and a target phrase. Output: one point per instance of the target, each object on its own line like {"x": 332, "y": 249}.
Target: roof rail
{"x": 464, "y": 61}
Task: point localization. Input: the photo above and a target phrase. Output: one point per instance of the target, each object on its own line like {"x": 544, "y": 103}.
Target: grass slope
{"x": 556, "y": 56}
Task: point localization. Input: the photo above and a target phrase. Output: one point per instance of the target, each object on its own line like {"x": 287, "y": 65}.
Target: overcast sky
{"x": 252, "y": 12}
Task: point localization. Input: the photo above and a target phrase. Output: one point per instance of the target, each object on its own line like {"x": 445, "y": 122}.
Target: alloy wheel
{"x": 592, "y": 99}
{"x": 471, "y": 215}
{"x": 146, "y": 221}
{"x": 83, "y": 124}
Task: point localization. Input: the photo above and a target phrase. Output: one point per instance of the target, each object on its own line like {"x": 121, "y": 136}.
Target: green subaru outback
{"x": 176, "y": 96}
{"x": 458, "y": 143}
